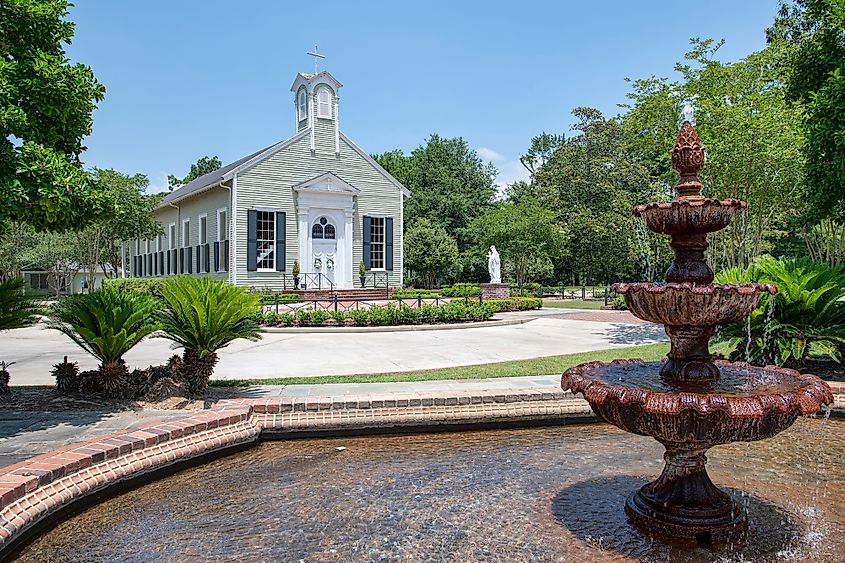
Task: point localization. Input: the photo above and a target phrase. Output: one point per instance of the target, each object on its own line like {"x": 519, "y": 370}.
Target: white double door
{"x": 324, "y": 258}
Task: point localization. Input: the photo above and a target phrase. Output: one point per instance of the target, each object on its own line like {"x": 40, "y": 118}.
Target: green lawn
{"x": 574, "y": 304}
{"x": 535, "y": 366}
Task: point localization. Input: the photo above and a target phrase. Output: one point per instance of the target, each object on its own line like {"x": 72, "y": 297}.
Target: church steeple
{"x": 316, "y": 100}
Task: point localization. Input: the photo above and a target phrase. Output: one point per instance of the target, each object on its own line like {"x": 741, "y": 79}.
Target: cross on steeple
{"x": 316, "y": 56}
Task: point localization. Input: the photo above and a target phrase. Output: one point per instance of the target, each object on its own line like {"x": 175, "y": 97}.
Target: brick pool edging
{"x": 36, "y": 488}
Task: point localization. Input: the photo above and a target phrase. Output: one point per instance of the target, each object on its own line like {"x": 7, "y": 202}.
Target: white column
{"x": 349, "y": 259}
{"x": 304, "y": 235}
{"x": 336, "y": 128}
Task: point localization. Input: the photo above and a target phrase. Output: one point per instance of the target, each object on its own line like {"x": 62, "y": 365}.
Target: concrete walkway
{"x": 36, "y": 349}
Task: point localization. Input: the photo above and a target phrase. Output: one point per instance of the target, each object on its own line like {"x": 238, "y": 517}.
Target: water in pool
{"x": 547, "y": 494}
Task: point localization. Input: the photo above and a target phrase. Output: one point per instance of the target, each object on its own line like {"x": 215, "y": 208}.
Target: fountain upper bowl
{"x": 694, "y": 215}
{"x": 677, "y": 304}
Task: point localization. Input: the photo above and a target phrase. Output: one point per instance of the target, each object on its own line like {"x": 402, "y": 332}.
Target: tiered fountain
{"x": 689, "y": 402}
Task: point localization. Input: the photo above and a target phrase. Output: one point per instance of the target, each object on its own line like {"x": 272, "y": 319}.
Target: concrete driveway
{"x": 36, "y": 349}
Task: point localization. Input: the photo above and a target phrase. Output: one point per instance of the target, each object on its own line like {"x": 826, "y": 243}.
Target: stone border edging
{"x": 36, "y": 488}
{"x": 392, "y": 328}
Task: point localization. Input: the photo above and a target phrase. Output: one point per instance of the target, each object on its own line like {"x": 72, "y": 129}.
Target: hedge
{"x": 145, "y": 286}
{"x": 461, "y": 290}
{"x": 414, "y": 293}
{"x": 393, "y": 315}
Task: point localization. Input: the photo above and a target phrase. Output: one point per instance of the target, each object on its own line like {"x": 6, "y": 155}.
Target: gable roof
{"x": 227, "y": 172}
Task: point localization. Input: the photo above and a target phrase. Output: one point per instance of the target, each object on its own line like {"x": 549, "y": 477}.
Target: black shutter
{"x": 199, "y": 258}
{"x": 368, "y": 223}
{"x": 280, "y": 241}
{"x": 189, "y": 262}
{"x": 182, "y": 260}
{"x": 216, "y": 256}
{"x": 226, "y": 255}
{"x": 150, "y": 262}
{"x": 206, "y": 257}
{"x": 251, "y": 239}
{"x": 388, "y": 243}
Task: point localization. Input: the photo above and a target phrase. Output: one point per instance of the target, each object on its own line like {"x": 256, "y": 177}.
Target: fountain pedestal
{"x": 684, "y": 504}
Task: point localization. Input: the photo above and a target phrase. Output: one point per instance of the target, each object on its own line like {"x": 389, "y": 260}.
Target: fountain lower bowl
{"x": 746, "y": 403}
{"x": 689, "y": 215}
{"x": 687, "y": 304}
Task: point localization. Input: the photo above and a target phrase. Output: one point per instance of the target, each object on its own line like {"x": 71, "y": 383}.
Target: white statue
{"x": 494, "y": 265}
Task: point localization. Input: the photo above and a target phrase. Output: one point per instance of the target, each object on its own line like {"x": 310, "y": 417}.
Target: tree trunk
{"x": 198, "y": 371}
{"x": 113, "y": 378}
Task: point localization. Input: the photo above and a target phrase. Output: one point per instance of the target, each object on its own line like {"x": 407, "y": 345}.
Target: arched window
{"x": 303, "y": 104}
{"x": 317, "y": 231}
{"x": 324, "y": 103}
{"x": 329, "y": 231}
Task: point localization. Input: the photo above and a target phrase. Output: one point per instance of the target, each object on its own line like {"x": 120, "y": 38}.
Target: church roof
{"x": 223, "y": 173}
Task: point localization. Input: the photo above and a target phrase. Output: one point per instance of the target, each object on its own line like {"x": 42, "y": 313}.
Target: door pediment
{"x": 327, "y": 183}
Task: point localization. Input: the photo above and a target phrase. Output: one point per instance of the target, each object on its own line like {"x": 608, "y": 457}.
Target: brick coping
{"x": 34, "y": 489}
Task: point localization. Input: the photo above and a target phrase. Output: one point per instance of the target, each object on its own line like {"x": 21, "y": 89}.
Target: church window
{"x": 324, "y": 104}
{"x": 266, "y": 240}
{"x": 317, "y": 231}
{"x": 377, "y": 243}
{"x": 303, "y": 104}
{"x": 329, "y": 231}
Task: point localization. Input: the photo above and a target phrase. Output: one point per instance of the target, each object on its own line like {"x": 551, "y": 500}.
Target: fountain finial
{"x": 687, "y": 160}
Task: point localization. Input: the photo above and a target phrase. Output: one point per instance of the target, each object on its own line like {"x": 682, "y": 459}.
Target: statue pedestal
{"x": 495, "y": 291}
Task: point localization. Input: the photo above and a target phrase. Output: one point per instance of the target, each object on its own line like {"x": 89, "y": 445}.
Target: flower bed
{"x": 458, "y": 311}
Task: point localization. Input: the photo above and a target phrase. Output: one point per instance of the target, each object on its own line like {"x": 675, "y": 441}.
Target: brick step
{"x": 346, "y": 294}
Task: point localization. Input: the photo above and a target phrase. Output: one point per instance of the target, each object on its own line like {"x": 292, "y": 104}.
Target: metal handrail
{"x": 375, "y": 280}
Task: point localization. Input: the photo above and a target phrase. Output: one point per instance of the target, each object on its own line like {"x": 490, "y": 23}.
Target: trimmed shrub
{"x": 461, "y": 290}
{"x": 142, "y": 286}
{"x": 414, "y": 293}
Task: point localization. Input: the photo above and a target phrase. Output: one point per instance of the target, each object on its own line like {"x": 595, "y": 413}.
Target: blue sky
{"x": 190, "y": 78}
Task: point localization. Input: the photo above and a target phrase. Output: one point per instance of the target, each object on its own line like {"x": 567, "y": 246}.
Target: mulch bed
{"x": 52, "y": 400}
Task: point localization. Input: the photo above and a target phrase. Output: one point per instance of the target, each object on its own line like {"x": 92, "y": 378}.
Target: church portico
{"x": 325, "y": 210}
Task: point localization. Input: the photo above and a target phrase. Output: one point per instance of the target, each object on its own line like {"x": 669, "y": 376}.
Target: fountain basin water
{"x": 687, "y": 304}
{"x": 538, "y": 494}
{"x": 689, "y": 216}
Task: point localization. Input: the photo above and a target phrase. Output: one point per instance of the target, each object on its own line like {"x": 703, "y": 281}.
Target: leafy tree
{"x": 451, "y": 185}
{"x": 591, "y": 182}
{"x": 398, "y": 164}
{"x": 525, "y": 234}
{"x": 203, "y": 316}
{"x": 100, "y": 244}
{"x": 15, "y": 238}
{"x": 814, "y": 69}
{"x": 201, "y": 167}
{"x": 541, "y": 150}
{"x": 751, "y": 135}
{"x": 430, "y": 252}
{"x": 59, "y": 254}
{"x": 45, "y": 111}
{"x": 106, "y": 323}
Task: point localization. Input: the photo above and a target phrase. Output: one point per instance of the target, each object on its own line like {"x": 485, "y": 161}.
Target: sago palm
{"x": 17, "y": 307}
{"x": 806, "y": 314}
{"x": 106, "y": 323}
{"x": 202, "y": 316}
